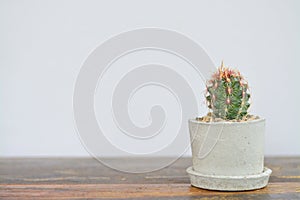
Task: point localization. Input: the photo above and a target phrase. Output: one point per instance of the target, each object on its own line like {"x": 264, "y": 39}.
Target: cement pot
{"x": 228, "y": 156}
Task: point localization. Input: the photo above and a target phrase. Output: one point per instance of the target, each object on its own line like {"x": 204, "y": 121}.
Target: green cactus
{"x": 227, "y": 94}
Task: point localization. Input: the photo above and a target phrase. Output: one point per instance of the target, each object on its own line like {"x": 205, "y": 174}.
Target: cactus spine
{"x": 227, "y": 94}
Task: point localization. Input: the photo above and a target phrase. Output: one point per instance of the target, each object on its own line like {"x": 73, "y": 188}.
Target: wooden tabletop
{"x": 83, "y": 178}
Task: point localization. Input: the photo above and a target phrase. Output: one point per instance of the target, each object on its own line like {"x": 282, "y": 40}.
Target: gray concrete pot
{"x": 228, "y": 155}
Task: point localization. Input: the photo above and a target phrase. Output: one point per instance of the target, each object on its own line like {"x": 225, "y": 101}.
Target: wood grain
{"x": 83, "y": 178}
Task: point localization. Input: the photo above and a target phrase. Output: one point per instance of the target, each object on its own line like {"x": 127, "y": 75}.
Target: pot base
{"x": 229, "y": 183}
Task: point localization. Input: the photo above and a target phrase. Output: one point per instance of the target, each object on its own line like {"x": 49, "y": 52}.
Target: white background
{"x": 44, "y": 43}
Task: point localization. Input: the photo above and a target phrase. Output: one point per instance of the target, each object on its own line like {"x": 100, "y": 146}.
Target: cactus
{"x": 227, "y": 94}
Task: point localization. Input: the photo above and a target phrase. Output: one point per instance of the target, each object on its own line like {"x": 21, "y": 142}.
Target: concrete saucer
{"x": 229, "y": 183}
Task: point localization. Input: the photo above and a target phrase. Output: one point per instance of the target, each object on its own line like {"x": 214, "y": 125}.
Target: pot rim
{"x": 227, "y": 122}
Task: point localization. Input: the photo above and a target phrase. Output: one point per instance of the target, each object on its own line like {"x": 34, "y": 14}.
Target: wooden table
{"x": 82, "y": 178}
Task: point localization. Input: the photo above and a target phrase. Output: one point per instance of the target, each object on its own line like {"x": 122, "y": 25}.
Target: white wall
{"x": 44, "y": 43}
